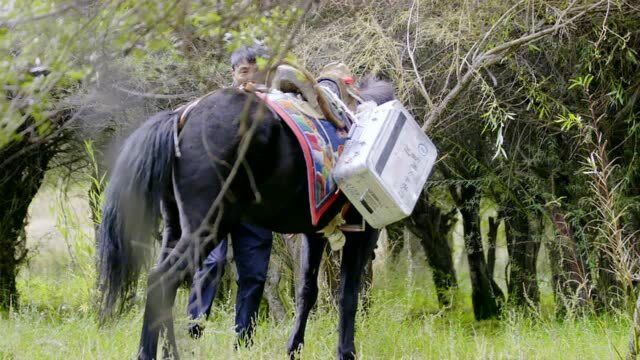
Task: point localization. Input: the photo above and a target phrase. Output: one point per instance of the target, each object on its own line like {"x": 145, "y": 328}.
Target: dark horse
{"x": 239, "y": 163}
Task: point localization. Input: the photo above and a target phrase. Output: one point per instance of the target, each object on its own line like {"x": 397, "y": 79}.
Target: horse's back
{"x": 270, "y": 188}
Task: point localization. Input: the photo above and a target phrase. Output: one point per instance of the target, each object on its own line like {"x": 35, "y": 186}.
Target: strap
{"x": 176, "y": 138}
{"x": 187, "y": 110}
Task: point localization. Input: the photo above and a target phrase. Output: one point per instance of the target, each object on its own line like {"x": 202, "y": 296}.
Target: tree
{"x": 108, "y": 65}
{"x": 432, "y": 225}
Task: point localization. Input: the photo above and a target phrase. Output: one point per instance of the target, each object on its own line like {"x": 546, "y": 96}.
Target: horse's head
{"x": 376, "y": 90}
{"x": 338, "y": 76}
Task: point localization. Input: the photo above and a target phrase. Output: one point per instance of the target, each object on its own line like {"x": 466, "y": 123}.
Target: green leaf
{"x": 76, "y": 74}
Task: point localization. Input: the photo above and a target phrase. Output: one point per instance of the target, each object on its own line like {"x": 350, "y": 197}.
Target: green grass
{"x": 57, "y": 320}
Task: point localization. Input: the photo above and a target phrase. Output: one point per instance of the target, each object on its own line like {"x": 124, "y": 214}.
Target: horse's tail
{"x": 376, "y": 90}
{"x": 130, "y": 214}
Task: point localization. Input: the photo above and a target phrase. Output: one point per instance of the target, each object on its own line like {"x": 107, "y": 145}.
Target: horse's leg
{"x": 162, "y": 285}
{"x": 170, "y": 237}
{"x": 171, "y": 220}
{"x": 193, "y": 202}
{"x": 171, "y": 234}
{"x": 355, "y": 255}
{"x": 161, "y": 288}
{"x": 311, "y": 251}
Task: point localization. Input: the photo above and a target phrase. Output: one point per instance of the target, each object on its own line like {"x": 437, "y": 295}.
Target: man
{"x": 251, "y": 244}
{"x": 244, "y": 65}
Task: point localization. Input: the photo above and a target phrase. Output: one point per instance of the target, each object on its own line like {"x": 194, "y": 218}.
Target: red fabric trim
{"x": 316, "y": 215}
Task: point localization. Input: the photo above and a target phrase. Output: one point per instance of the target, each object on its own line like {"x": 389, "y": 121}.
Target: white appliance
{"x": 385, "y": 163}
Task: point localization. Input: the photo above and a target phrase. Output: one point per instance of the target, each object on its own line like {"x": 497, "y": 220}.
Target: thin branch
{"x": 148, "y": 29}
{"x": 13, "y": 23}
{"x": 410, "y": 51}
{"x": 478, "y": 45}
{"x": 152, "y": 95}
{"x": 496, "y": 54}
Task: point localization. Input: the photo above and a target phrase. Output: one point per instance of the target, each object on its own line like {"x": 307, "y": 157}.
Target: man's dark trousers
{"x": 251, "y": 250}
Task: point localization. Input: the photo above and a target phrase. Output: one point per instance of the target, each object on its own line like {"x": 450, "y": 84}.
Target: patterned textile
{"x": 321, "y": 144}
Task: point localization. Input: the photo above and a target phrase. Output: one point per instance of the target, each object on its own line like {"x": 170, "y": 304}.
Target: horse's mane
{"x": 376, "y": 90}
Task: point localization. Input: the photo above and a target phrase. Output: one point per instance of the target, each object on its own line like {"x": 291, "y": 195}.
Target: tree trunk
{"x": 272, "y": 293}
{"x": 485, "y": 293}
{"x": 492, "y": 236}
{"x": 331, "y": 270}
{"x": 634, "y": 345}
{"x": 367, "y": 283}
{"x": 284, "y": 263}
{"x": 432, "y": 226}
{"x": 523, "y": 248}
{"x": 292, "y": 243}
{"x": 18, "y": 185}
{"x": 395, "y": 240}
{"x": 612, "y": 291}
{"x": 569, "y": 275}
{"x": 12, "y": 244}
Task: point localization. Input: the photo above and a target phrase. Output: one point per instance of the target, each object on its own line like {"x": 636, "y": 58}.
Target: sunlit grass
{"x": 56, "y": 320}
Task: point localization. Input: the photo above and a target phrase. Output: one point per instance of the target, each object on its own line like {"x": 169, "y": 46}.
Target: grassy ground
{"x": 56, "y": 319}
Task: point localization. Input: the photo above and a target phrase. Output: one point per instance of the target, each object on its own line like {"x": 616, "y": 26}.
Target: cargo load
{"x": 385, "y": 163}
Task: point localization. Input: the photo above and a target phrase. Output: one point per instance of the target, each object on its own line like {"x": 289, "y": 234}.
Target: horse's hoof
{"x": 294, "y": 352}
{"x": 195, "y": 331}
{"x": 347, "y": 356}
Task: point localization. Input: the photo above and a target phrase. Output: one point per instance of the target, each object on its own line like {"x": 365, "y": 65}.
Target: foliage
{"x": 76, "y": 73}
{"x": 526, "y": 124}
{"x": 533, "y": 104}
{"x": 75, "y": 41}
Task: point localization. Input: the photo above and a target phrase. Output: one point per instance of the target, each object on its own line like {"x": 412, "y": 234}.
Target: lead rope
{"x": 176, "y": 138}
{"x": 179, "y": 121}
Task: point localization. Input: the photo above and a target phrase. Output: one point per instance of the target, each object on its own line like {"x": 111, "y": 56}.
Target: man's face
{"x": 246, "y": 71}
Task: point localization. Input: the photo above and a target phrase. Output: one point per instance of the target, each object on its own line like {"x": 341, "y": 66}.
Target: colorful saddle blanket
{"x": 321, "y": 144}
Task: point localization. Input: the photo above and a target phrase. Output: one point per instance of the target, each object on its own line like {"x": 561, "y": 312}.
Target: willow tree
{"x": 482, "y": 82}
{"x": 85, "y": 71}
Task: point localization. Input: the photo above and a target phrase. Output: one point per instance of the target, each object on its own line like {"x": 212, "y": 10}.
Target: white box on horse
{"x": 385, "y": 163}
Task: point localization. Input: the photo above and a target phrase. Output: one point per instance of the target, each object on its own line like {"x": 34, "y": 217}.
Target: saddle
{"x": 332, "y": 94}
{"x": 303, "y": 103}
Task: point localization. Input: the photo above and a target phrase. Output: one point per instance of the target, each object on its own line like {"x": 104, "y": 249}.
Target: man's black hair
{"x": 248, "y": 54}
